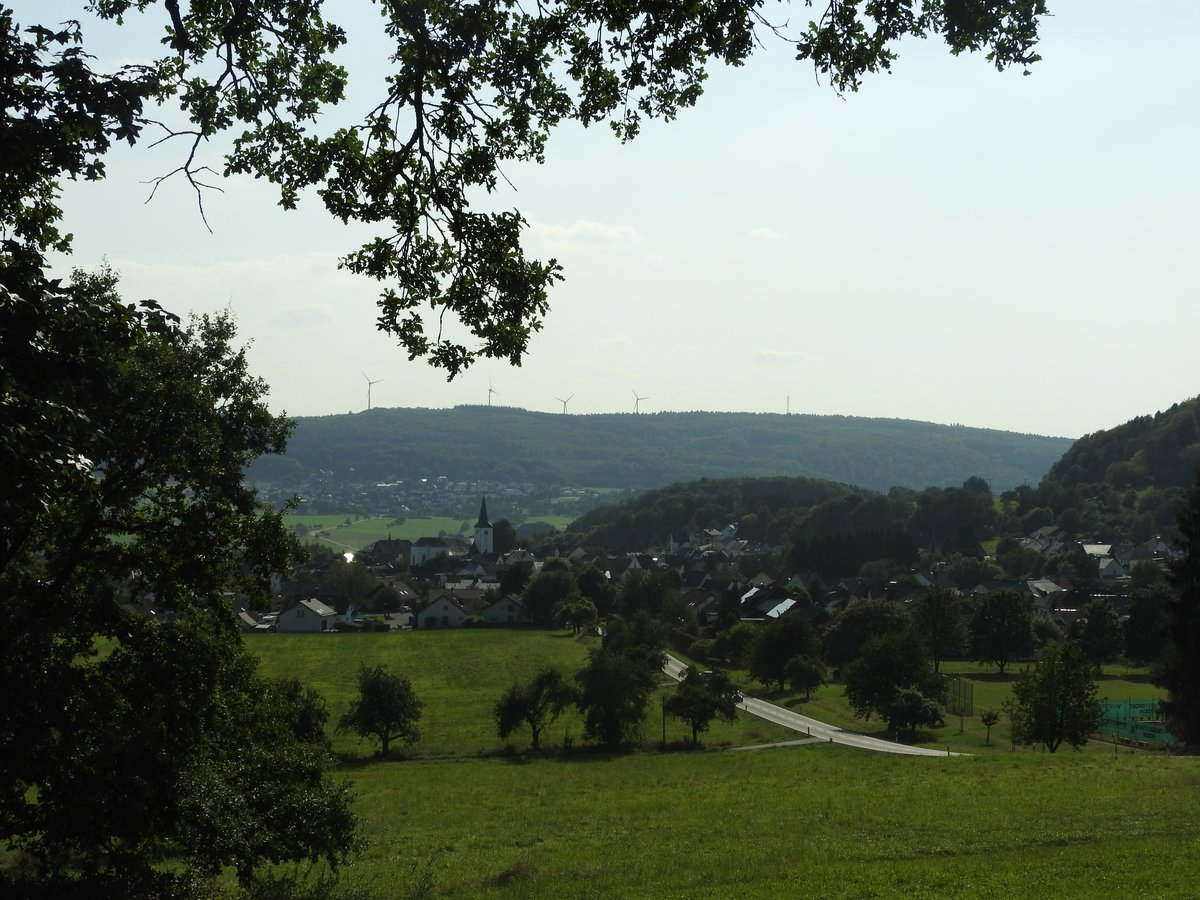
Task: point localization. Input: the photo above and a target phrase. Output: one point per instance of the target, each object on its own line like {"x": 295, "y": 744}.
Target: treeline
{"x": 831, "y": 528}
{"x": 1126, "y": 481}
{"x": 641, "y": 451}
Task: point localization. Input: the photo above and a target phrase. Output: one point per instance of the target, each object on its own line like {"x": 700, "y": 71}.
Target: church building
{"x": 483, "y": 531}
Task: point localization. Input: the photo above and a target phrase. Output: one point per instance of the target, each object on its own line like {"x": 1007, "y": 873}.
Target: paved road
{"x": 812, "y": 727}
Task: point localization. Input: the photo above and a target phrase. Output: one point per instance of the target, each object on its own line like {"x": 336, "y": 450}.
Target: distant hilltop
{"x": 621, "y": 450}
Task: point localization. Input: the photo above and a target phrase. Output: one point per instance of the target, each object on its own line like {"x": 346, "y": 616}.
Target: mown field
{"x": 457, "y": 819}
{"x": 459, "y": 675}
{"x": 343, "y": 532}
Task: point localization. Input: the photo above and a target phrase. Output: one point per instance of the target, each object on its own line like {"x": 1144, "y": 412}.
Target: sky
{"x": 950, "y": 244}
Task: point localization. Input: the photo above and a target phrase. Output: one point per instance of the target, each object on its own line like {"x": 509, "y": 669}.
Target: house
{"x": 251, "y": 624}
{"x": 444, "y": 612}
{"x": 428, "y": 548}
{"x": 506, "y": 611}
{"x": 307, "y": 616}
{"x": 1048, "y": 540}
{"x": 706, "y": 604}
{"x": 395, "y": 554}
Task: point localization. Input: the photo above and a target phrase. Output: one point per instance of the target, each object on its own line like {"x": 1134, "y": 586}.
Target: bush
{"x": 701, "y": 650}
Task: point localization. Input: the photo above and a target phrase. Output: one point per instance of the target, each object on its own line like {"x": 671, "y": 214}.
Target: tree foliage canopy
{"x": 702, "y": 697}
{"x": 385, "y": 709}
{"x": 939, "y": 616}
{"x": 888, "y": 664}
{"x": 536, "y": 703}
{"x": 470, "y": 88}
{"x": 614, "y": 689}
{"x": 1001, "y": 628}
{"x": 1180, "y": 671}
{"x": 777, "y": 644}
{"x": 137, "y": 737}
{"x": 855, "y": 625}
{"x": 1055, "y": 701}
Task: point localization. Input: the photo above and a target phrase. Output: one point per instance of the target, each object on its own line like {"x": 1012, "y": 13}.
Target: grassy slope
{"x": 810, "y": 821}
{"x": 459, "y": 675}
{"x": 790, "y": 822}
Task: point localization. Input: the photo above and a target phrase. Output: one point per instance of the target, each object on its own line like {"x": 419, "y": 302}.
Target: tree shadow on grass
{"x": 994, "y": 677}
{"x": 358, "y": 761}
{"x": 794, "y": 702}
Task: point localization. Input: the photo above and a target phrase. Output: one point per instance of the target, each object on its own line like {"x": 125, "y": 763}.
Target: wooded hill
{"x": 1127, "y": 480}
{"x": 1122, "y": 483}
{"x": 801, "y": 514}
{"x": 643, "y": 451}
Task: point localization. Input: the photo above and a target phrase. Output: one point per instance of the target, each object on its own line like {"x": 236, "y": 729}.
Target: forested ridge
{"x": 1125, "y": 482}
{"x": 644, "y": 451}
{"x": 1128, "y": 480}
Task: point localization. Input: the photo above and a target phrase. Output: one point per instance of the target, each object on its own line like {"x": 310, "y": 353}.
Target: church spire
{"x": 483, "y": 530}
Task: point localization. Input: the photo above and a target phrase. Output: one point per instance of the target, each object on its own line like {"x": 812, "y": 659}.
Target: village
{"x": 451, "y": 582}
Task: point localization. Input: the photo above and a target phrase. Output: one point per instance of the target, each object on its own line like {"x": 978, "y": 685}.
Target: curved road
{"x": 812, "y": 727}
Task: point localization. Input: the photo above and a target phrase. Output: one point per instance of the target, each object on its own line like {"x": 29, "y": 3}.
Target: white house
{"x": 307, "y": 616}
{"x": 428, "y": 548}
{"x": 444, "y": 612}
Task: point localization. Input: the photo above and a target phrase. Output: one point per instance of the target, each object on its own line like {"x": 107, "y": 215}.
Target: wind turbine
{"x": 636, "y": 401}
{"x": 564, "y": 403}
{"x": 369, "y": 383}
{"x": 490, "y": 391}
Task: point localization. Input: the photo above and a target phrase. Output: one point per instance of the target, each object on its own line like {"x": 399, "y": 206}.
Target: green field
{"x": 334, "y": 531}
{"x": 455, "y": 819}
{"x": 360, "y": 531}
{"x": 459, "y": 675}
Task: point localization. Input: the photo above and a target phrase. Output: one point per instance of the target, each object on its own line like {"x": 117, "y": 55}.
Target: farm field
{"x": 460, "y": 675}
{"x": 458, "y": 818}
{"x": 334, "y": 531}
{"x": 814, "y": 821}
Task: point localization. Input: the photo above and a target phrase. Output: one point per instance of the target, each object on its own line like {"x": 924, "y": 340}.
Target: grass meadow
{"x": 334, "y": 531}
{"x": 456, "y": 816}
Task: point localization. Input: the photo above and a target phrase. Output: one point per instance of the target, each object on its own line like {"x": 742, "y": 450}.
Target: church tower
{"x": 483, "y": 530}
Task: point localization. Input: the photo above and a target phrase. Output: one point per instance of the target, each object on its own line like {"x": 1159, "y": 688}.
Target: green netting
{"x": 1135, "y": 721}
{"x": 960, "y": 696}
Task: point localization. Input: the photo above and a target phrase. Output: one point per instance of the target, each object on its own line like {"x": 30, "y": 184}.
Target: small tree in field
{"x": 890, "y": 663}
{"x": 1055, "y": 701}
{"x": 911, "y": 709}
{"x": 536, "y": 704}
{"x": 805, "y": 673}
{"x": 989, "y": 717}
{"x": 703, "y": 697}
{"x": 777, "y": 643}
{"x": 386, "y": 708}
{"x": 1001, "y": 629}
{"x": 614, "y": 689}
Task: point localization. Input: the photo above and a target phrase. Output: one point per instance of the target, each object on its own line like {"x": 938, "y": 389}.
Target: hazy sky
{"x": 950, "y": 244}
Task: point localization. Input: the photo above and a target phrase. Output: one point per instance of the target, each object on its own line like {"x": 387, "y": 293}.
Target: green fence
{"x": 1135, "y": 721}
{"x": 960, "y": 696}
